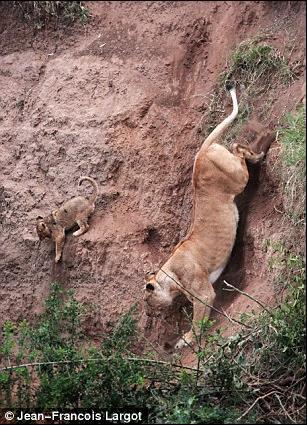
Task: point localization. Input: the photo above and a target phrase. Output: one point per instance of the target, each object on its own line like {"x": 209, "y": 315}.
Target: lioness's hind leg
{"x": 83, "y": 227}
{"x": 248, "y": 153}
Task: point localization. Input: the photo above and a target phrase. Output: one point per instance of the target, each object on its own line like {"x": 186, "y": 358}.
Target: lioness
{"x": 75, "y": 211}
{"x": 199, "y": 259}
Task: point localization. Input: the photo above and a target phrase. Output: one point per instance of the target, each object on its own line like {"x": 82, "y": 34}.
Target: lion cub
{"x": 75, "y": 211}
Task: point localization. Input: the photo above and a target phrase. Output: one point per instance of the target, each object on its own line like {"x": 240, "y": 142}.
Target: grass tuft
{"x": 293, "y": 139}
{"x": 41, "y": 12}
{"x": 292, "y": 136}
{"x": 256, "y": 64}
{"x": 256, "y": 67}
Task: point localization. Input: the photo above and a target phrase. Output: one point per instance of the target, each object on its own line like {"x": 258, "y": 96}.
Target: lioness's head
{"x": 42, "y": 228}
{"x": 245, "y": 152}
{"x": 157, "y": 294}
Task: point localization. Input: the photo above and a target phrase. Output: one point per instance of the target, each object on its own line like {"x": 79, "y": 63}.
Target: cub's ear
{"x": 39, "y": 217}
{"x": 149, "y": 276}
{"x": 150, "y": 287}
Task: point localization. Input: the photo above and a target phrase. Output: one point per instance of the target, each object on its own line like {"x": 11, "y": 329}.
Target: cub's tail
{"x": 94, "y": 195}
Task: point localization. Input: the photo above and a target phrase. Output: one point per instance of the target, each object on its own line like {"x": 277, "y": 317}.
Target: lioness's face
{"x": 156, "y": 297}
{"x": 42, "y": 229}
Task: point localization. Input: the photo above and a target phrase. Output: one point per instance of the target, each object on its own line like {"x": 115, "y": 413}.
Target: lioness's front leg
{"x": 201, "y": 310}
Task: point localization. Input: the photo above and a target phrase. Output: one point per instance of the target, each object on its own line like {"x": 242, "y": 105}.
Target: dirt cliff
{"x": 121, "y": 99}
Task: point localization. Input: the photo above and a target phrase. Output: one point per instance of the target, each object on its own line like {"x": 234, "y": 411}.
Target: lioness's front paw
{"x": 57, "y": 258}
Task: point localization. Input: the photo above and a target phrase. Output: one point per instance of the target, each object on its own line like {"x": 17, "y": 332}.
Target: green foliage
{"x": 40, "y": 12}
{"x": 68, "y": 375}
{"x": 293, "y": 138}
{"x": 8, "y": 338}
{"x": 265, "y": 359}
{"x": 287, "y": 267}
{"x": 233, "y": 372}
{"x": 190, "y": 405}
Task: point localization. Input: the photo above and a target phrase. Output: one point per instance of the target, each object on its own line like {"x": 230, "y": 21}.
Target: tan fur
{"x": 75, "y": 211}
{"x": 218, "y": 176}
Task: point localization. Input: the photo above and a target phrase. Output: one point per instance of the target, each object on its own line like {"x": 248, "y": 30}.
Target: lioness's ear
{"x": 150, "y": 287}
{"x": 39, "y": 217}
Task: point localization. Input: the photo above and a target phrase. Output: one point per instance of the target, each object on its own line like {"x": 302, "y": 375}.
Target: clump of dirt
{"x": 121, "y": 100}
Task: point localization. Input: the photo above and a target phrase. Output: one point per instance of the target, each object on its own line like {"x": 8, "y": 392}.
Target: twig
{"x": 142, "y": 360}
{"x": 136, "y": 359}
{"x": 277, "y": 210}
{"x": 255, "y": 402}
{"x": 198, "y": 361}
{"x": 248, "y": 296}
{"x": 283, "y": 408}
{"x": 227, "y": 315}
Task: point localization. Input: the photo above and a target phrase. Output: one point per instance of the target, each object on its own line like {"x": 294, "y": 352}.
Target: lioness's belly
{"x": 213, "y": 276}
{"x": 214, "y": 236}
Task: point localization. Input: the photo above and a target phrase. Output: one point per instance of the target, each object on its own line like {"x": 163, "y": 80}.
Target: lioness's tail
{"x": 219, "y": 129}
{"x": 94, "y": 195}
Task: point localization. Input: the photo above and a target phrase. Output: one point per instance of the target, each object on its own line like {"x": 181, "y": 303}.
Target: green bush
{"x": 266, "y": 359}
{"x": 68, "y": 375}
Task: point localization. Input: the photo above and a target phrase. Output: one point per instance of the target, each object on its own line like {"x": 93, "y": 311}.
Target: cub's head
{"x": 245, "y": 152}
{"x": 42, "y": 228}
{"x": 157, "y": 294}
